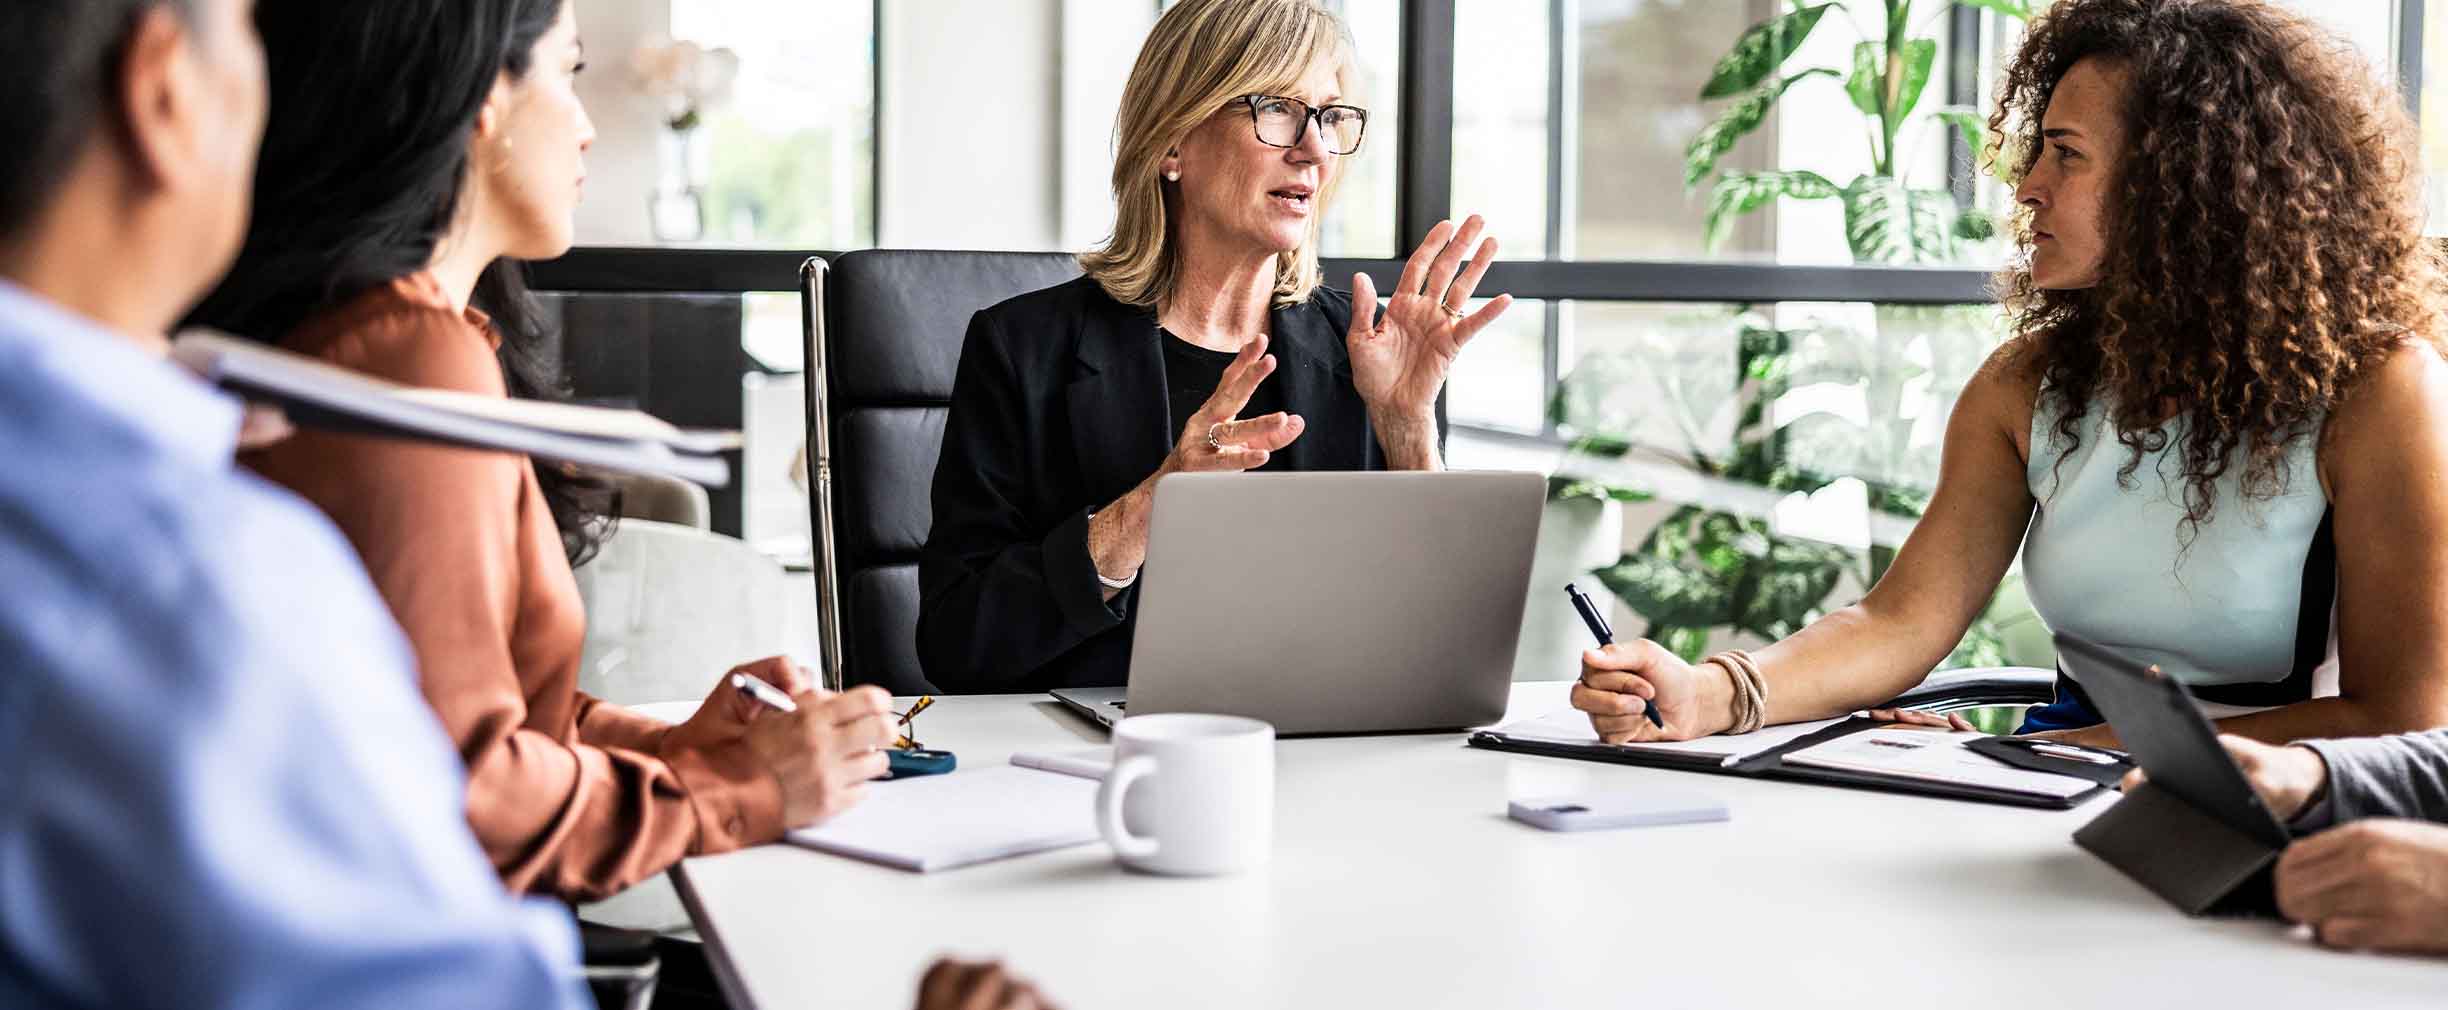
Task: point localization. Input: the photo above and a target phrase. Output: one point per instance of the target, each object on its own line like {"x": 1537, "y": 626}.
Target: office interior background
{"x": 1743, "y": 424}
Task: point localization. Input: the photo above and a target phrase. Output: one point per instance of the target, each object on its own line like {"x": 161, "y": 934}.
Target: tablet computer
{"x": 2196, "y": 834}
{"x": 2174, "y": 743}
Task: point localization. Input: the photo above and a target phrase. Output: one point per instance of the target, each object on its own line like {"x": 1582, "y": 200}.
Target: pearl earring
{"x": 1171, "y": 176}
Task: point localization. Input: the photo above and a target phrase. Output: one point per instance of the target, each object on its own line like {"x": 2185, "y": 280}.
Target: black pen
{"x": 1606, "y": 637}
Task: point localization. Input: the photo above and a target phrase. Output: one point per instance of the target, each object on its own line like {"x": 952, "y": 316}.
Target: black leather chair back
{"x": 884, "y": 331}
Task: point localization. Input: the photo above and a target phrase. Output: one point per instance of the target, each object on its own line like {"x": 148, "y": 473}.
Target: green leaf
{"x": 1740, "y": 193}
{"x": 1887, "y": 223}
{"x": 1866, "y": 82}
{"x": 1868, "y": 87}
{"x": 1689, "y": 643}
{"x": 1976, "y": 225}
{"x": 1738, "y": 121}
{"x": 2018, "y": 9}
{"x": 1975, "y": 130}
{"x": 1562, "y": 488}
{"x": 1760, "y": 51}
{"x": 1920, "y": 55}
{"x": 1670, "y": 591}
{"x": 1793, "y": 583}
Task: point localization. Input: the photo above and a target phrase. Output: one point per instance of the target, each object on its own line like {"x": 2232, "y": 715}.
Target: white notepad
{"x": 937, "y": 822}
{"x": 1574, "y": 727}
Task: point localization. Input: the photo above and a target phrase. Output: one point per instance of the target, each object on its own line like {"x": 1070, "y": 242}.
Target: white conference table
{"x": 1398, "y": 881}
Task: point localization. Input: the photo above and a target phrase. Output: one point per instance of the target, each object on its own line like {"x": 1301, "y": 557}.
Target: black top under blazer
{"x": 1059, "y": 408}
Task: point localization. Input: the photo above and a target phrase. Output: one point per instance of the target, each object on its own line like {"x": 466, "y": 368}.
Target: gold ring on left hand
{"x": 1451, "y": 312}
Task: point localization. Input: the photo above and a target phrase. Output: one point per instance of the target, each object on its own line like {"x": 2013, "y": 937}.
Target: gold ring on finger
{"x": 1212, "y": 441}
{"x": 1451, "y": 312}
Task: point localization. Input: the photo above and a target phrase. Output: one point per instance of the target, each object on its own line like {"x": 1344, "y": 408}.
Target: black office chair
{"x": 884, "y": 330}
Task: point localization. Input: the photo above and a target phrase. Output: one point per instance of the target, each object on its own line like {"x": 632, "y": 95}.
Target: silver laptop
{"x": 1330, "y": 602}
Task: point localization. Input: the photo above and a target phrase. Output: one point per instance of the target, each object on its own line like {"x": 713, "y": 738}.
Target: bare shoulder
{"x": 2003, "y": 392}
{"x": 2395, "y": 414}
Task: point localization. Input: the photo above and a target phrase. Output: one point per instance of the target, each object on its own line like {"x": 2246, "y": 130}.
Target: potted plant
{"x": 1704, "y": 573}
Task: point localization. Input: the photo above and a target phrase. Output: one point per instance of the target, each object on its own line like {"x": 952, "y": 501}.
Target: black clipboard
{"x": 1771, "y": 765}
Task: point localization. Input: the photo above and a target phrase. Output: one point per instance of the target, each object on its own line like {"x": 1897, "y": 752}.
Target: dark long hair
{"x": 2265, "y": 245}
{"x": 365, "y": 160}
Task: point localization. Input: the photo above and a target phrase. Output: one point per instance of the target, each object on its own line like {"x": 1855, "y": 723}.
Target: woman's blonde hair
{"x": 1201, "y": 56}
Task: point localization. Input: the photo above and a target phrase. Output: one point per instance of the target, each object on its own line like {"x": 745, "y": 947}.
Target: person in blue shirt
{"x": 224, "y": 789}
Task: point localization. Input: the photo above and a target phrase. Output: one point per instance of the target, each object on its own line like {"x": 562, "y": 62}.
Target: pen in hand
{"x": 763, "y": 693}
{"x": 1606, "y": 637}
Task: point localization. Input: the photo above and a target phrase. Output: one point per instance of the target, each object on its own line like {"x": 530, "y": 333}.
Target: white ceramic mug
{"x": 1190, "y": 795}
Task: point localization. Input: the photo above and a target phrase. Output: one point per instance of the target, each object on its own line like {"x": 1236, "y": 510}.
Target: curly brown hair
{"x": 2264, "y": 241}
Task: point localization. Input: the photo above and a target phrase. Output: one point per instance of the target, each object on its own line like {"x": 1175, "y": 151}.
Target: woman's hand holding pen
{"x": 1216, "y": 439}
{"x": 726, "y": 713}
{"x": 824, "y": 753}
{"x": 1618, "y": 681}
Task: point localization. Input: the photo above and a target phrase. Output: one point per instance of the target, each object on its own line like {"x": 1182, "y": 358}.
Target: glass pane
{"x": 1852, "y": 390}
{"x": 1500, "y": 379}
{"x": 2370, "y": 24}
{"x": 1501, "y": 118}
{"x": 788, "y": 158}
{"x": 1799, "y": 436}
{"x": 1618, "y": 93}
{"x": 1361, "y": 222}
{"x": 2435, "y": 116}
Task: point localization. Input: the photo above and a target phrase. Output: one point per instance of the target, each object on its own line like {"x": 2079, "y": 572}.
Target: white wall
{"x": 622, "y": 165}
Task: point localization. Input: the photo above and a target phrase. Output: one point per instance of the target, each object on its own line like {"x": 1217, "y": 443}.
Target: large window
{"x": 1745, "y": 301}
{"x": 1575, "y": 124}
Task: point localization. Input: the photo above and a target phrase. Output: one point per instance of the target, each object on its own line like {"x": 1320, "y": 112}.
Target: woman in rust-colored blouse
{"x": 393, "y": 183}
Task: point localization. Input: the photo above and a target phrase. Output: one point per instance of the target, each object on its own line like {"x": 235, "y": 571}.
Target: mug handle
{"x": 1109, "y": 807}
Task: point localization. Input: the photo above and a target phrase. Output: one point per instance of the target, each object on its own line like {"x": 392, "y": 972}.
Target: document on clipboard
{"x": 1889, "y": 758}
{"x": 1931, "y": 754}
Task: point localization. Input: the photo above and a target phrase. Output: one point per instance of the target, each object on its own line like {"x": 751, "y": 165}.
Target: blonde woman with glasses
{"x": 1201, "y": 339}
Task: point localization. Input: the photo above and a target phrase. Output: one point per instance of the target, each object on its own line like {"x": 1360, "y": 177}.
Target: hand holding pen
{"x": 821, "y": 747}
{"x": 1606, "y": 637}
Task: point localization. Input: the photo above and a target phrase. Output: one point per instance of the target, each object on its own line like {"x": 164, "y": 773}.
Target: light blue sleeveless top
{"x": 2241, "y": 614}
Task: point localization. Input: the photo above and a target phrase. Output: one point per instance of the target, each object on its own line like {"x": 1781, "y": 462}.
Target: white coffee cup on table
{"x": 1190, "y": 795}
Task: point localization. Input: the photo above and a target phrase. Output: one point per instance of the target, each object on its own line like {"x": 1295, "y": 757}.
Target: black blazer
{"x": 1060, "y": 407}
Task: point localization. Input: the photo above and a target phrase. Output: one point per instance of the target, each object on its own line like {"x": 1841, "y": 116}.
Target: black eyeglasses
{"x": 1283, "y": 122}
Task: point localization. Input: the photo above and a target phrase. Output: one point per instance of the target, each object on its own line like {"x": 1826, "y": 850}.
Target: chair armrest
{"x": 1951, "y": 690}
{"x": 620, "y": 966}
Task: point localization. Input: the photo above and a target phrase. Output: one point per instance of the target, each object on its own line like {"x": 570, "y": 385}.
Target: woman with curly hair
{"x": 2220, "y": 433}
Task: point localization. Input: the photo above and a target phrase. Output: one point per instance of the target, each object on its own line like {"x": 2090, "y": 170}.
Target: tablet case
{"x": 1770, "y": 765}
{"x": 2196, "y": 834}
{"x": 2191, "y": 859}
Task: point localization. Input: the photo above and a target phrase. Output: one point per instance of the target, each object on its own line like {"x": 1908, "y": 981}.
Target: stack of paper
{"x": 937, "y": 822}
{"x": 319, "y": 395}
{"x": 1574, "y": 727}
